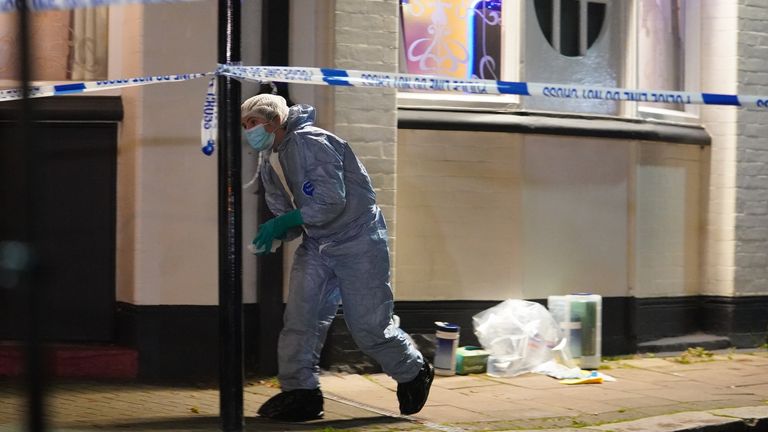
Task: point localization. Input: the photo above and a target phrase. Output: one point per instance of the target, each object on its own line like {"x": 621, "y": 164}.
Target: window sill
{"x": 554, "y": 124}
{"x": 454, "y": 101}
{"x": 690, "y": 116}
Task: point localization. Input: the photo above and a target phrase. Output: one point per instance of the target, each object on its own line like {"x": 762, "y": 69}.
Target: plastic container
{"x": 580, "y": 318}
{"x": 445, "y": 348}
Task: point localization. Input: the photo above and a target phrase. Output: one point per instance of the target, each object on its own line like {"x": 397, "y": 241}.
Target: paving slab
{"x": 759, "y": 389}
{"x": 755, "y": 417}
{"x": 530, "y": 381}
{"x": 593, "y": 392}
{"x": 647, "y": 396}
{"x": 461, "y": 382}
{"x": 534, "y": 410}
{"x": 640, "y": 402}
{"x": 506, "y": 393}
{"x": 475, "y": 403}
{"x": 580, "y": 406}
{"x": 687, "y": 393}
{"x": 678, "y": 422}
{"x": 644, "y": 375}
{"x": 726, "y": 377}
{"x": 552, "y": 430}
{"x": 636, "y": 383}
{"x": 453, "y": 414}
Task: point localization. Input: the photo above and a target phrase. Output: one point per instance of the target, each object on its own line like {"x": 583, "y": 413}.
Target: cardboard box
{"x": 470, "y": 359}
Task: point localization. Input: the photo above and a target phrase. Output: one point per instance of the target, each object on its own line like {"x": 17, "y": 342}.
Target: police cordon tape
{"x": 368, "y": 79}
{"x": 428, "y": 83}
{"x": 92, "y": 86}
{"x": 208, "y": 128}
{"x": 209, "y": 123}
{"x": 431, "y": 83}
{"x": 42, "y": 5}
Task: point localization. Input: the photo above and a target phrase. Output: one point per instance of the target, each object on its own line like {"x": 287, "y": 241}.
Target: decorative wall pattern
{"x": 459, "y": 38}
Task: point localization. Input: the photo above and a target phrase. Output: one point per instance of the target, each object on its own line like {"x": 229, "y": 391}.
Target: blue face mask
{"x": 258, "y": 138}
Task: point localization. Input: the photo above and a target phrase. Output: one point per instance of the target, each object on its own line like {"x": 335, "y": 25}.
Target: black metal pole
{"x": 27, "y": 286}
{"x": 230, "y": 210}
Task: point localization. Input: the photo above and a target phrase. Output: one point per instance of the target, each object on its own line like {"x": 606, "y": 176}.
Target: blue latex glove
{"x": 276, "y": 228}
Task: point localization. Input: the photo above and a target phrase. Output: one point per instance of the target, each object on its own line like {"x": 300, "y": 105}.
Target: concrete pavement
{"x": 727, "y": 392}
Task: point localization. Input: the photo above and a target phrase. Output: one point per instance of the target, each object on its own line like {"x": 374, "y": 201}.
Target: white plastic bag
{"x": 519, "y": 334}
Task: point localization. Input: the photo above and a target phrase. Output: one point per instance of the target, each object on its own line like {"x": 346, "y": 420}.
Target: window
{"x": 66, "y": 45}
{"x": 667, "y": 47}
{"x": 570, "y": 26}
{"x": 647, "y": 44}
{"x": 575, "y": 42}
{"x": 458, "y": 38}
{"x": 548, "y": 41}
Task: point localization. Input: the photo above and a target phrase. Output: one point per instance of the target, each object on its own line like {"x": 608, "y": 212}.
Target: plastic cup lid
{"x": 447, "y": 327}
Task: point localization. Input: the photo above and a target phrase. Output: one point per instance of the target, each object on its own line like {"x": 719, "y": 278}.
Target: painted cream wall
{"x": 490, "y": 216}
{"x": 459, "y": 215}
{"x": 313, "y": 18}
{"x": 668, "y": 229}
{"x": 167, "y": 211}
{"x": 125, "y": 43}
{"x": 575, "y": 215}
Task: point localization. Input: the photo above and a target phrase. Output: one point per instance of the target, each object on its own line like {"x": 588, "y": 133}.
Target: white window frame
{"x": 512, "y": 35}
{"x": 692, "y": 61}
{"x": 515, "y": 32}
{"x": 583, "y": 29}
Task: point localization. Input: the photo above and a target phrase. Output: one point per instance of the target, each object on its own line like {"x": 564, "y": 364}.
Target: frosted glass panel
{"x": 661, "y": 31}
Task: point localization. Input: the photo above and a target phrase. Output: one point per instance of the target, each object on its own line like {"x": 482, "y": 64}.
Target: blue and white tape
{"x": 406, "y": 82}
{"x": 41, "y": 5}
{"x": 367, "y": 79}
{"x": 209, "y": 123}
{"x": 92, "y": 86}
{"x": 410, "y": 82}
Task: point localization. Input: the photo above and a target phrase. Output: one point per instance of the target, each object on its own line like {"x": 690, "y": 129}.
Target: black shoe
{"x": 294, "y": 405}
{"x": 413, "y": 394}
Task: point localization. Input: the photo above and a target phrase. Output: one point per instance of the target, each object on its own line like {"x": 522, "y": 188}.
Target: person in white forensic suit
{"x": 320, "y": 191}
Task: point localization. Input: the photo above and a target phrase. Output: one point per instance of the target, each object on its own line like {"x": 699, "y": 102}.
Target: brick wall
{"x": 733, "y": 52}
{"x": 366, "y": 38}
{"x": 718, "y": 75}
{"x": 751, "y": 217}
